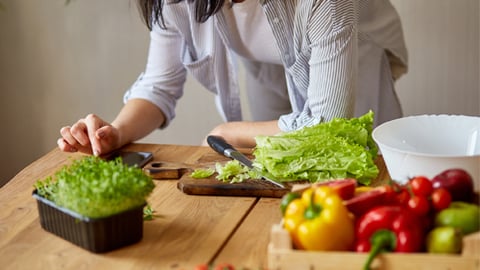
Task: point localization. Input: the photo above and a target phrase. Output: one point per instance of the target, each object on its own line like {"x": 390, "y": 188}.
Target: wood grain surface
{"x": 188, "y": 230}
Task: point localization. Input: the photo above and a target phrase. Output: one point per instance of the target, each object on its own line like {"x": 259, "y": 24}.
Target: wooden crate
{"x": 281, "y": 255}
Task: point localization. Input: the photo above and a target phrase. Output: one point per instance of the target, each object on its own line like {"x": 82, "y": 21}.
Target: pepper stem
{"x": 381, "y": 240}
{"x": 313, "y": 209}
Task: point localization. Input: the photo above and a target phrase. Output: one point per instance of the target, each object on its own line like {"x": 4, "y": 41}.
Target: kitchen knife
{"x": 221, "y": 146}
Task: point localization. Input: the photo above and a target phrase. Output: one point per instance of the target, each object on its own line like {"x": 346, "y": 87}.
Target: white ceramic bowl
{"x": 428, "y": 144}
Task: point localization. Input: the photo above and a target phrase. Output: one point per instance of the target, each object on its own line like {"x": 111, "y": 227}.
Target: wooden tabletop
{"x": 189, "y": 231}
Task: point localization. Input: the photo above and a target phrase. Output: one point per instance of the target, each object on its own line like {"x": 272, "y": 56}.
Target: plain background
{"x": 60, "y": 62}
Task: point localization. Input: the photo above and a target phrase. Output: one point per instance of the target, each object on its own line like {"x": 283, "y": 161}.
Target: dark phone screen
{"x": 134, "y": 158}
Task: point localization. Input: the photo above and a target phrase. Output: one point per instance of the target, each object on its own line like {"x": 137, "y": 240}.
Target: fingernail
{"x": 95, "y": 152}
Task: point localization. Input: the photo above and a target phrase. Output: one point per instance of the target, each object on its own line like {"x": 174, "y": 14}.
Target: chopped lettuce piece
{"x": 202, "y": 173}
{"x": 232, "y": 172}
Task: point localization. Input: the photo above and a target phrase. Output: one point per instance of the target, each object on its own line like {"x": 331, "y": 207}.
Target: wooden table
{"x": 191, "y": 229}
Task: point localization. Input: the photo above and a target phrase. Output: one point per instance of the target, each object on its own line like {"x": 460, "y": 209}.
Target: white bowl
{"x": 429, "y": 144}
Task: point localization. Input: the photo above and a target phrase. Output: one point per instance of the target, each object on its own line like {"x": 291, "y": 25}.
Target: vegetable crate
{"x": 281, "y": 255}
{"x": 96, "y": 235}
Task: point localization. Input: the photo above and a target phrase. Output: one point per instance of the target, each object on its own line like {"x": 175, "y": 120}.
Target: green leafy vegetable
{"x": 233, "y": 172}
{"x": 336, "y": 149}
{"x": 95, "y": 188}
{"x": 202, "y": 173}
{"x": 149, "y": 213}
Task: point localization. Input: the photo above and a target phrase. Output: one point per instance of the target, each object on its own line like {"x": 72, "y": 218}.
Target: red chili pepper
{"x": 388, "y": 228}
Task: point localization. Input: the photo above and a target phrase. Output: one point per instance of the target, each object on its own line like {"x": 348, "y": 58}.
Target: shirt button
{"x": 276, "y": 20}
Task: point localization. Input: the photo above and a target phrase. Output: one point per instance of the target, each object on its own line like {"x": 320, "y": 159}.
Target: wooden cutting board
{"x": 212, "y": 186}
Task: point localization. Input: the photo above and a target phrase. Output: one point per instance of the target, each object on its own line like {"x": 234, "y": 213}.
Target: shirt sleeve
{"x": 163, "y": 79}
{"x": 332, "y": 33}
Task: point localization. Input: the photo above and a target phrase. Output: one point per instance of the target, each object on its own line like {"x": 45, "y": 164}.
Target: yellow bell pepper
{"x": 318, "y": 220}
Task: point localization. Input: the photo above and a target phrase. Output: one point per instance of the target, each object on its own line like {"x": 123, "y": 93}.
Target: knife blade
{"x": 221, "y": 146}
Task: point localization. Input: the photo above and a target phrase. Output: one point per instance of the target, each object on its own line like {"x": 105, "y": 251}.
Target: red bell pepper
{"x": 388, "y": 228}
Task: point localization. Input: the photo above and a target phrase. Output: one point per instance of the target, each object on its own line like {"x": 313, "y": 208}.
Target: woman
{"x": 307, "y": 61}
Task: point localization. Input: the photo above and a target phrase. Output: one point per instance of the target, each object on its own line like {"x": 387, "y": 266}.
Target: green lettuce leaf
{"x": 202, "y": 173}
{"x": 232, "y": 172}
{"x": 341, "y": 148}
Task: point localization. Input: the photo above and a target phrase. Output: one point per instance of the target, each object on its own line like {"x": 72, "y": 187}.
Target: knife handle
{"x": 219, "y": 144}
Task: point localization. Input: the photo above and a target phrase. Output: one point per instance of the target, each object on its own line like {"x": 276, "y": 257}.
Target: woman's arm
{"x": 333, "y": 62}
{"x": 242, "y": 134}
{"x": 137, "y": 119}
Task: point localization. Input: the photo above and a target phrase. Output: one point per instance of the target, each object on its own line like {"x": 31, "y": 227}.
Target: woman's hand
{"x": 90, "y": 135}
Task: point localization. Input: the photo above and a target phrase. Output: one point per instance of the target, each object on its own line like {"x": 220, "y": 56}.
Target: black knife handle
{"x": 218, "y": 144}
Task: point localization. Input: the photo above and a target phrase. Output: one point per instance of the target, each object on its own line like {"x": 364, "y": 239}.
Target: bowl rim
{"x": 419, "y": 153}
{"x": 422, "y": 154}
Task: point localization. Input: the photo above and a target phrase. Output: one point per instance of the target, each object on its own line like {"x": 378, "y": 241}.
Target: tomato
{"x": 402, "y": 196}
{"x": 202, "y": 266}
{"x": 441, "y": 198}
{"x": 421, "y": 186}
{"x": 395, "y": 194}
{"x": 224, "y": 266}
{"x": 419, "y": 205}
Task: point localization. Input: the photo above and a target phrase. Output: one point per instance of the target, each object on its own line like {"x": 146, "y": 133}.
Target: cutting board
{"x": 211, "y": 186}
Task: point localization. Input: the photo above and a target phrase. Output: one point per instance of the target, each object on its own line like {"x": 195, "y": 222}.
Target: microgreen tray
{"x": 96, "y": 235}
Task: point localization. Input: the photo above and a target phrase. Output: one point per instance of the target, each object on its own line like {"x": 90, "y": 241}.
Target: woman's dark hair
{"x": 151, "y": 10}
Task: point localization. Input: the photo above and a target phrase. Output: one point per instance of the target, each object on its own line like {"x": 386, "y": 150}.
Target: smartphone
{"x": 133, "y": 158}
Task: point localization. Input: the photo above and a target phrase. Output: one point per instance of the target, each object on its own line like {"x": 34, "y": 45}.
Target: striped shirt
{"x": 319, "y": 45}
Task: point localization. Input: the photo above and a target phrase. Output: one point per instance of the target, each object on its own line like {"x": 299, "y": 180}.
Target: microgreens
{"x": 95, "y": 188}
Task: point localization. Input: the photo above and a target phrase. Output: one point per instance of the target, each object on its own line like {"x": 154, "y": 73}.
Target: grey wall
{"x": 58, "y": 63}
{"x": 443, "y": 42}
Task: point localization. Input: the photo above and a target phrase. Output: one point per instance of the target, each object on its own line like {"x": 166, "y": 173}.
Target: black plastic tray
{"x": 96, "y": 235}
